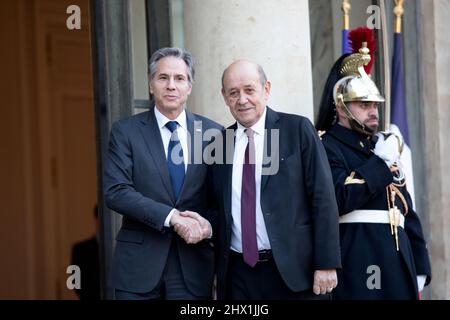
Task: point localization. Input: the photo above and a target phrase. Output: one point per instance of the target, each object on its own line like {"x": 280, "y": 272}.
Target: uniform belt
{"x": 263, "y": 255}
{"x": 369, "y": 216}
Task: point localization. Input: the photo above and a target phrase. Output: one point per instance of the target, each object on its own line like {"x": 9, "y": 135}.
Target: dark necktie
{"x": 248, "y": 204}
{"x": 175, "y": 160}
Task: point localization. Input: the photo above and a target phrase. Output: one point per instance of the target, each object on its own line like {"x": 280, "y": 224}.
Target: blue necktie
{"x": 175, "y": 160}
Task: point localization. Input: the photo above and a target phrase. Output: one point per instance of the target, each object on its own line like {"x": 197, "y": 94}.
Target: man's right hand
{"x": 189, "y": 228}
{"x": 324, "y": 281}
{"x": 388, "y": 149}
{"x": 205, "y": 226}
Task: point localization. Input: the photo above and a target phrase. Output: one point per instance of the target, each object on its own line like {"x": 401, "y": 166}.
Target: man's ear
{"x": 267, "y": 87}
{"x": 339, "y": 112}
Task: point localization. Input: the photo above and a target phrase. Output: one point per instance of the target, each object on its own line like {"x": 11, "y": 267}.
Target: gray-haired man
{"x": 150, "y": 179}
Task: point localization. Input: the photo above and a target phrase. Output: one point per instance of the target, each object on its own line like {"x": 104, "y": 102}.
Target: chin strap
{"x": 355, "y": 124}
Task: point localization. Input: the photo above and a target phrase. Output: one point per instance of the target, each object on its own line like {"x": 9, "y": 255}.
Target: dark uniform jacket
{"x": 369, "y": 249}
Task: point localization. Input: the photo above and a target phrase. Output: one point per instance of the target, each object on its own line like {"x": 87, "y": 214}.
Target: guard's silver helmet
{"x": 356, "y": 85}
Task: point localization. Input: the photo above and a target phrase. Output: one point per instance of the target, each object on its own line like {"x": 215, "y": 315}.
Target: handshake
{"x": 191, "y": 226}
{"x": 389, "y": 147}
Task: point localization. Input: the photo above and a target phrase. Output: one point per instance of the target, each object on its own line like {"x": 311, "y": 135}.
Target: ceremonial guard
{"x": 384, "y": 254}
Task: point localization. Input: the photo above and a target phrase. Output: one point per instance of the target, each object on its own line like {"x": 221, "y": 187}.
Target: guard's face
{"x": 170, "y": 85}
{"x": 244, "y": 94}
{"x": 366, "y": 113}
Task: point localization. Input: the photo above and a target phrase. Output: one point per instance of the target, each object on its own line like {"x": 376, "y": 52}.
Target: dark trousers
{"x": 262, "y": 282}
{"x": 171, "y": 286}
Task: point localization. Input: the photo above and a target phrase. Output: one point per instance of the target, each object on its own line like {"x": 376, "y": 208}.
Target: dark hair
{"x": 327, "y": 112}
{"x": 172, "y": 52}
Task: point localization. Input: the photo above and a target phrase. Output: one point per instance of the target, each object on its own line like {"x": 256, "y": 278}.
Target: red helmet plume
{"x": 357, "y": 37}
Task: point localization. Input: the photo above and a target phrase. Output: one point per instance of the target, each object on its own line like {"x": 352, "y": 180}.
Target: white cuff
{"x": 169, "y": 216}
{"x": 421, "y": 279}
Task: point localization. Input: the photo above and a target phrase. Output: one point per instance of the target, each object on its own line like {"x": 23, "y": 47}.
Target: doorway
{"x": 49, "y": 119}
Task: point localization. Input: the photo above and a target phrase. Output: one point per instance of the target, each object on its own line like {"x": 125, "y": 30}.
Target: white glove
{"x": 421, "y": 281}
{"x": 388, "y": 149}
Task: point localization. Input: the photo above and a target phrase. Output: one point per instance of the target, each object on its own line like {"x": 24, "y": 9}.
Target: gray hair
{"x": 262, "y": 75}
{"x": 172, "y": 52}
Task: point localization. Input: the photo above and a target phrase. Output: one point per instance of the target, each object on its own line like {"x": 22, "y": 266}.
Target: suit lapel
{"x": 271, "y": 123}
{"x": 228, "y": 173}
{"x": 152, "y": 137}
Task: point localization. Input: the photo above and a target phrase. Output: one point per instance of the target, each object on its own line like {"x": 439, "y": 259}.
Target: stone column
{"x": 435, "y": 65}
{"x": 273, "y": 33}
{"x": 113, "y": 90}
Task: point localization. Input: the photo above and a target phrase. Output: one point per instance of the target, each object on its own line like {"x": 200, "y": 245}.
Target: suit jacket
{"x": 297, "y": 201}
{"x": 85, "y": 254}
{"x": 137, "y": 185}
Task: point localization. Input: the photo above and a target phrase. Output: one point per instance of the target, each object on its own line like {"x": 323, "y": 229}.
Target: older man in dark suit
{"x": 278, "y": 232}
{"x": 151, "y": 178}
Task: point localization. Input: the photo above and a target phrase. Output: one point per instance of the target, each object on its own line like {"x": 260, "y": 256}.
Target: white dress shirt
{"x": 182, "y": 132}
{"x": 238, "y": 160}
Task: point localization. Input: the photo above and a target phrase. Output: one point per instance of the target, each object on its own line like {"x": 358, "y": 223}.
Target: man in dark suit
{"x": 85, "y": 255}
{"x": 278, "y": 232}
{"x": 151, "y": 178}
